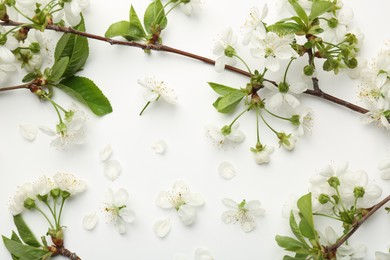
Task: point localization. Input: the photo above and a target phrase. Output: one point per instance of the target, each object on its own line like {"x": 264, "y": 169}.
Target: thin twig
{"x": 316, "y": 92}
{"x": 24, "y": 86}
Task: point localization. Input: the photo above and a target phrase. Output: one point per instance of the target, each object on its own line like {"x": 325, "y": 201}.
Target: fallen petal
{"x": 159, "y": 147}
{"x": 29, "y": 132}
{"x": 112, "y": 170}
{"x": 105, "y": 154}
{"x": 46, "y": 130}
{"x": 226, "y": 170}
{"x": 90, "y": 221}
{"x": 162, "y": 227}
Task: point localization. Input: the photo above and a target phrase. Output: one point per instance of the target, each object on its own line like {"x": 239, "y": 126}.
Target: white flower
{"x": 345, "y": 252}
{"x": 162, "y": 227}
{"x": 90, "y": 221}
{"x": 73, "y": 11}
{"x": 69, "y": 183}
{"x": 329, "y": 172}
{"x": 287, "y": 140}
{"x": 254, "y": 24}
{"x": 182, "y": 200}
{"x": 16, "y": 205}
{"x": 112, "y": 169}
{"x": 222, "y": 46}
{"x": 384, "y": 167}
{"x": 115, "y": 207}
{"x": 262, "y": 155}
{"x": 283, "y": 96}
{"x": 245, "y": 213}
{"x": 155, "y": 89}
{"x": 105, "y": 153}
{"x": 273, "y": 48}
{"x": 43, "y": 186}
{"x": 335, "y": 28}
{"x": 7, "y": 45}
{"x": 6, "y": 69}
{"x": 71, "y": 131}
{"x": 225, "y": 135}
{"x": 189, "y": 7}
{"x": 29, "y": 132}
{"x": 356, "y": 185}
{"x": 304, "y": 123}
{"x": 226, "y": 170}
{"x": 159, "y": 146}
{"x": 203, "y": 254}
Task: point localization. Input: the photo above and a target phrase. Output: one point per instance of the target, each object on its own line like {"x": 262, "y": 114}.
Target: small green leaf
{"x": 221, "y": 89}
{"x": 29, "y": 77}
{"x": 299, "y": 11}
{"x": 58, "y": 69}
{"x": 285, "y": 28}
{"x": 305, "y": 208}
{"x": 15, "y": 238}
{"x": 25, "y": 233}
{"x": 306, "y": 229}
{"x": 24, "y": 252}
{"x": 136, "y": 29}
{"x": 154, "y": 17}
{"x": 296, "y": 257}
{"x": 121, "y": 28}
{"x": 86, "y": 91}
{"x": 296, "y": 230}
{"x": 228, "y": 102}
{"x": 320, "y": 7}
{"x": 291, "y": 244}
{"x": 76, "y": 48}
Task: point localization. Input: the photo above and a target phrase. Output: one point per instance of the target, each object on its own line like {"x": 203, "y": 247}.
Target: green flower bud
{"x": 65, "y": 194}
{"x": 358, "y": 192}
{"x": 323, "y": 198}
{"x": 29, "y": 203}
{"x": 35, "y": 47}
{"x": 295, "y": 120}
{"x": 55, "y": 193}
{"x": 69, "y": 115}
{"x": 308, "y": 70}
{"x": 226, "y": 130}
{"x": 21, "y": 34}
{"x": 230, "y": 51}
{"x": 283, "y": 87}
{"x": 332, "y": 23}
{"x": 352, "y": 63}
{"x": 334, "y": 182}
{"x": 43, "y": 198}
{"x": 61, "y": 128}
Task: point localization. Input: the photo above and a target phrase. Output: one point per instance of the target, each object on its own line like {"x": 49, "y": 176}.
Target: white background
{"x": 338, "y": 135}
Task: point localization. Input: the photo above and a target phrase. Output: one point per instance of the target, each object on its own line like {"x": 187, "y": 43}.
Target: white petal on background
{"x": 226, "y": 170}
{"x": 203, "y": 254}
{"x": 159, "y": 147}
{"x": 112, "y": 170}
{"x": 47, "y": 131}
{"x": 29, "y": 132}
{"x": 90, "y": 221}
{"x": 162, "y": 227}
{"x": 105, "y": 153}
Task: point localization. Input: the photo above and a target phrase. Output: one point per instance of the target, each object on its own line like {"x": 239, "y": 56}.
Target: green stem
{"x": 160, "y": 12}
{"x": 20, "y": 12}
{"x": 44, "y": 215}
{"x": 147, "y": 104}
{"x": 257, "y": 127}
{"x": 59, "y": 215}
{"x": 280, "y": 117}
{"x": 265, "y": 122}
{"x": 173, "y": 7}
{"x": 327, "y": 216}
{"x": 56, "y": 108}
{"x": 287, "y": 68}
{"x": 246, "y": 65}
{"x": 235, "y": 119}
{"x": 52, "y": 212}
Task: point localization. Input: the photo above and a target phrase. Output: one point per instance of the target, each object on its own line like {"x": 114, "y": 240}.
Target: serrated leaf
{"x": 136, "y": 29}
{"x": 305, "y": 208}
{"x": 228, "y": 102}
{"x": 58, "y": 69}
{"x": 25, "y": 232}
{"x": 291, "y": 244}
{"x": 320, "y": 7}
{"x": 154, "y": 17}
{"x": 76, "y": 48}
{"x": 285, "y": 28}
{"x": 86, "y": 91}
{"x": 296, "y": 230}
{"x": 121, "y": 28}
{"x": 306, "y": 229}
{"x": 221, "y": 89}
{"x": 24, "y": 252}
{"x": 299, "y": 11}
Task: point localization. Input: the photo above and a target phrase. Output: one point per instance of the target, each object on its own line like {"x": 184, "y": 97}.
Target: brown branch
{"x": 61, "y": 250}
{"x": 357, "y": 224}
{"x": 24, "y": 86}
{"x": 316, "y": 92}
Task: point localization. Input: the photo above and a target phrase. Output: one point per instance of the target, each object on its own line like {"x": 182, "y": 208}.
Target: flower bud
{"x": 308, "y": 70}
{"x": 334, "y": 182}
{"x": 21, "y": 34}
{"x": 29, "y": 203}
{"x": 352, "y": 63}
{"x": 35, "y": 47}
{"x": 226, "y": 130}
{"x": 283, "y": 87}
{"x": 230, "y": 51}
{"x": 323, "y": 198}
{"x": 295, "y": 120}
{"x": 358, "y": 192}
{"x": 55, "y": 193}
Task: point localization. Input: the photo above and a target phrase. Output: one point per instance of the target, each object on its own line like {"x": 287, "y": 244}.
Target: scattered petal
{"x": 226, "y": 170}
{"x": 90, "y": 221}
{"x": 162, "y": 227}
{"x": 112, "y": 170}
{"x": 29, "y": 132}
{"x": 203, "y": 254}
{"x": 47, "y": 131}
{"x": 159, "y": 147}
{"x": 105, "y": 154}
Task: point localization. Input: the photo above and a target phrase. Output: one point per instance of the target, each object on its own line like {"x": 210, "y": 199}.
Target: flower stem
{"x": 246, "y": 65}
{"x": 52, "y": 213}
{"x": 59, "y": 215}
{"x": 287, "y": 68}
{"x": 265, "y": 122}
{"x": 44, "y": 215}
{"x": 147, "y": 104}
{"x": 275, "y": 115}
{"x": 257, "y": 126}
{"x": 235, "y": 119}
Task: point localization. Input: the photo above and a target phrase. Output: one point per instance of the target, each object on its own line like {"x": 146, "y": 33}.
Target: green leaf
{"x": 58, "y": 69}
{"x": 299, "y": 11}
{"x": 25, "y": 232}
{"x": 15, "y": 238}
{"x": 228, "y": 102}
{"x": 305, "y": 208}
{"x": 296, "y": 230}
{"x": 291, "y": 244}
{"x": 121, "y": 28}
{"x": 24, "y": 252}
{"x": 306, "y": 229}
{"x": 76, "y": 48}
{"x": 154, "y": 17}
{"x": 221, "y": 89}
{"x": 285, "y": 28}
{"x": 136, "y": 29}
{"x": 320, "y": 7}
{"x": 29, "y": 77}
{"x": 86, "y": 91}
{"x": 296, "y": 257}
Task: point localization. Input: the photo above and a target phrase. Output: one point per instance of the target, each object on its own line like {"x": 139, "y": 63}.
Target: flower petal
{"x": 105, "y": 153}
{"x": 226, "y": 170}
{"x": 46, "y": 130}
{"x": 187, "y": 214}
{"x": 230, "y": 203}
{"x": 163, "y": 200}
{"x": 112, "y": 170}
{"x": 90, "y": 221}
{"x": 29, "y": 132}
{"x": 120, "y": 198}
{"x": 159, "y": 147}
{"x": 162, "y": 227}
{"x": 127, "y": 215}
{"x": 203, "y": 254}
{"x": 120, "y": 226}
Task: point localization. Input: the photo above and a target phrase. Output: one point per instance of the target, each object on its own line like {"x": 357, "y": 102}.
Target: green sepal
{"x": 25, "y": 232}
{"x": 58, "y": 69}
{"x": 228, "y": 102}
{"x": 154, "y": 17}
{"x": 299, "y": 11}
{"x": 75, "y": 47}
{"x": 86, "y": 91}
{"x": 24, "y": 252}
{"x": 320, "y": 7}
